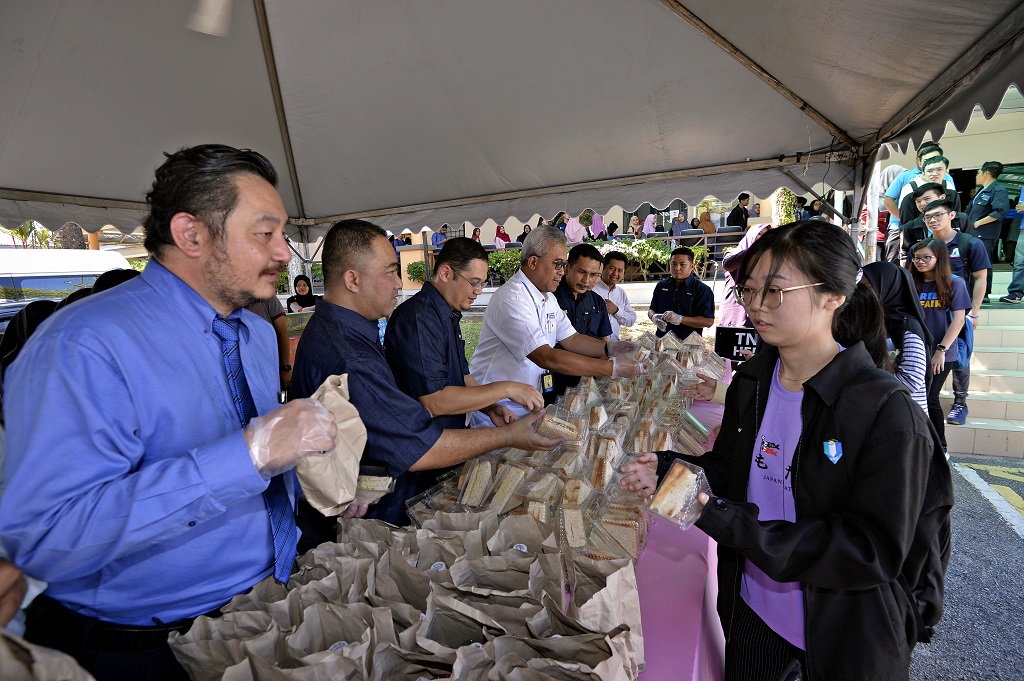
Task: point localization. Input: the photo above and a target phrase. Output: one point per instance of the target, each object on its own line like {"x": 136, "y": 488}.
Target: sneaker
{"x": 985, "y": 299}
{"x": 1016, "y": 300}
{"x": 957, "y": 415}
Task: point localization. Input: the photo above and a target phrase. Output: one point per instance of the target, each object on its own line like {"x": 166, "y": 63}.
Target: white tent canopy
{"x": 458, "y": 110}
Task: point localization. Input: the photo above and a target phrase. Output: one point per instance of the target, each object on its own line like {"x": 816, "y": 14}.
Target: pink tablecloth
{"x": 678, "y": 583}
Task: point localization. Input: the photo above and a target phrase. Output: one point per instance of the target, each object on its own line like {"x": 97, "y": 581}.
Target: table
{"x": 677, "y": 577}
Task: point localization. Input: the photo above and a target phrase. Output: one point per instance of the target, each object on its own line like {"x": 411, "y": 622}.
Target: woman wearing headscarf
{"x": 706, "y": 224}
{"x": 649, "y": 227}
{"x": 522, "y": 237}
{"x": 904, "y": 324}
{"x": 575, "y": 232}
{"x": 731, "y": 313}
{"x": 303, "y": 297}
{"x": 597, "y": 228}
{"x": 501, "y": 235}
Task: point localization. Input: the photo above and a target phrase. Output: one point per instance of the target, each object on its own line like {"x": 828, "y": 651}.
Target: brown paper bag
{"x": 399, "y": 581}
{"x": 265, "y": 591}
{"x": 375, "y": 535}
{"x": 589, "y": 656}
{"x": 328, "y": 667}
{"x": 24, "y": 661}
{"x": 606, "y": 596}
{"x": 392, "y": 664}
{"x": 475, "y": 529}
{"x": 212, "y": 645}
{"x": 473, "y": 662}
{"x": 454, "y": 624}
{"x": 523, "y": 534}
{"x": 493, "y": 574}
{"x": 437, "y": 553}
{"x": 329, "y": 480}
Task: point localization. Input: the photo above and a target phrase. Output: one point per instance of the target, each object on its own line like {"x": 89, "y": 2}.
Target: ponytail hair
{"x": 862, "y": 318}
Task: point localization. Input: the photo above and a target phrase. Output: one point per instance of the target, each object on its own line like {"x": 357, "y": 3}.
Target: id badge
{"x": 547, "y": 382}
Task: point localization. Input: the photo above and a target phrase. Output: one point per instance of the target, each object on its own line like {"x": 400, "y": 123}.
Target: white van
{"x": 28, "y": 273}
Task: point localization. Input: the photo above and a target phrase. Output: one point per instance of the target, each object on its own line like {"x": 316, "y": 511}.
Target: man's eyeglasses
{"x": 560, "y": 265}
{"x": 771, "y": 296}
{"x": 922, "y": 259}
{"x": 475, "y": 283}
{"x": 935, "y": 217}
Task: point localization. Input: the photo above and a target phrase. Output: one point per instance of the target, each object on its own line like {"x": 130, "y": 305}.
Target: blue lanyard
{"x": 540, "y": 318}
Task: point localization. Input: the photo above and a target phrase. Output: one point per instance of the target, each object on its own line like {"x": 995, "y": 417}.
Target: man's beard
{"x": 220, "y": 270}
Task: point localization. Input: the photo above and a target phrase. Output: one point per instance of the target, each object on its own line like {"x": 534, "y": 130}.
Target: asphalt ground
{"x": 981, "y": 635}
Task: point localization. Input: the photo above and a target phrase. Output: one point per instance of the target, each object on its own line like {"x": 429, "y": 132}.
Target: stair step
{"x": 993, "y": 381}
{"x": 997, "y": 357}
{"x": 987, "y": 437}
{"x": 1000, "y": 336}
{"x": 988, "y": 406}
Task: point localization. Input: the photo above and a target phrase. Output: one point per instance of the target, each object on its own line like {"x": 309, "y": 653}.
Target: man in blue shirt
{"x": 427, "y": 354}
{"x": 585, "y": 309}
{"x": 143, "y": 503}
{"x": 682, "y": 303}
{"x": 987, "y": 210}
{"x": 440, "y": 236}
{"x": 361, "y": 285}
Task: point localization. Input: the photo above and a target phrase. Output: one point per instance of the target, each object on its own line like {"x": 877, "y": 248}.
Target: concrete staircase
{"x": 995, "y": 403}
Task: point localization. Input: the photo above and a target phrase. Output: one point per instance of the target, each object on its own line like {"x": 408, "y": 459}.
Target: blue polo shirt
{"x": 588, "y": 314}
{"x": 691, "y": 298}
{"x": 399, "y": 430}
{"x": 424, "y": 346}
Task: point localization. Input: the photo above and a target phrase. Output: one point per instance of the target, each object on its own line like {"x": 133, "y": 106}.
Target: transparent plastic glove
{"x": 279, "y": 440}
{"x": 659, "y": 321}
{"x": 623, "y": 367}
{"x": 672, "y": 317}
{"x": 620, "y": 347}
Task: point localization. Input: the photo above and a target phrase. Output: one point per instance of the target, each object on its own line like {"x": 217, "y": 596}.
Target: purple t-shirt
{"x": 779, "y": 604}
{"x": 936, "y": 318}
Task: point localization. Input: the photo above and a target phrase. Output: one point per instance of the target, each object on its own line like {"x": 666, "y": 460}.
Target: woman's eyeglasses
{"x": 922, "y": 259}
{"x": 771, "y": 296}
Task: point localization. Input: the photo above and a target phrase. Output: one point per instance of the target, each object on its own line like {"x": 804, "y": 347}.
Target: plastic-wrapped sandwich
{"x": 676, "y": 498}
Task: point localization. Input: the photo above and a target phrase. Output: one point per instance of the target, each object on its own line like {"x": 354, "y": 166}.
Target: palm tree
{"x": 26, "y": 233}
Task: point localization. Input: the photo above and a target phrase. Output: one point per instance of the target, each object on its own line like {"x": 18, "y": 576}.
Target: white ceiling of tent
{"x": 394, "y": 104}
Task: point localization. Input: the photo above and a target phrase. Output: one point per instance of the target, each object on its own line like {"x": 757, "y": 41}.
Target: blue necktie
{"x": 282, "y": 519}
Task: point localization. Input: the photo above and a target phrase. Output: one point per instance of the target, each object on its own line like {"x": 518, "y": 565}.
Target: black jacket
{"x": 866, "y": 526}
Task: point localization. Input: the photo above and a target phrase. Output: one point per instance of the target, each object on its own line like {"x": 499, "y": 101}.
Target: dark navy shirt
{"x": 424, "y": 346}
{"x": 399, "y": 430}
{"x": 691, "y": 298}
{"x": 588, "y": 315}
{"x": 990, "y": 201}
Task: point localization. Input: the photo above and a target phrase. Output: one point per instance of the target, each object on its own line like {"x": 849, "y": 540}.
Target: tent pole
{"x": 846, "y": 219}
{"x": 773, "y": 82}
{"x": 275, "y": 88}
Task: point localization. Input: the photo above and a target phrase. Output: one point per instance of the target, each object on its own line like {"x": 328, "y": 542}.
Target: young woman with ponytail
{"x": 818, "y": 475}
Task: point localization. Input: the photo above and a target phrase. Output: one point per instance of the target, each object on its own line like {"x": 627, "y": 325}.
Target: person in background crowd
{"x": 476, "y": 234}
{"x": 439, "y": 237}
{"x": 560, "y": 220}
{"x": 501, "y": 235}
{"x": 575, "y": 232}
{"x": 894, "y": 191}
{"x": 695, "y": 223}
{"x": 585, "y": 309}
{"x": 271, "y": 311}
{"x": 612, "y": 228}
{"x": 635, "y": 227}
{"x": 968, "y": 259}
{"x": 142, "y": 518}
{"x": 303, "y": 300}
{"x": 914, "y": 230}
{"x": 738, "y": 216}
{"x": 819, "y": 545}
{"x": 362, "y": 285}
{"x": 523, "y": 322}
{"x": 905, "y": 327}
{"x": 1015, "y": 291}
{"x": 407, "y": 239}
{"x": 731, "y": 313}
{"x": 620, "y": 312}
{"x": 986, "y": 212}
{"x": 682, "y": 303}
{"x": 933, "y": 171}
{"x": 598, "y": 231}
{"x": 705, "y": 223}
{"x": 800, "y": 207}
{"x": 522, "y": 237}
{"x": 649, "y": 226}
{"x": 945, "y": 301}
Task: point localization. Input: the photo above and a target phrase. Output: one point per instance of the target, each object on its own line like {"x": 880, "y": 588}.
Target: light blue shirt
{"x": 129, "y": 483}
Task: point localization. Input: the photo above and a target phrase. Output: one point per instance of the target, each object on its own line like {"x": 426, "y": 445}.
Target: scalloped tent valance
{"x": 425, "y": 113}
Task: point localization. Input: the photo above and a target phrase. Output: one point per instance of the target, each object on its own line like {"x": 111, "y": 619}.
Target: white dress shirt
{"x": 519, "y": 319}
{"x": 626, "y": 316}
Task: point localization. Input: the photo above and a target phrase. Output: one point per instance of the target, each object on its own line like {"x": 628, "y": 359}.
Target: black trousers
{"x": 935, "y": 412}
{"x": 754, "y": 652}
{"x": 50, "y": 624}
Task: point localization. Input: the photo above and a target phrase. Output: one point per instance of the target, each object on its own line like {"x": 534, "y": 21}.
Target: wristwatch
{"x": 942, "y": 347}
{"x": 286, "y": 367}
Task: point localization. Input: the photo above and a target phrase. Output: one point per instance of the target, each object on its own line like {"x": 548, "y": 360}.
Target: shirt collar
{"x": 533, "y": 290}
{"x": 438, "y": 301}
{"x": 196, "y": 309}
{"x": 350, "y": 320}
